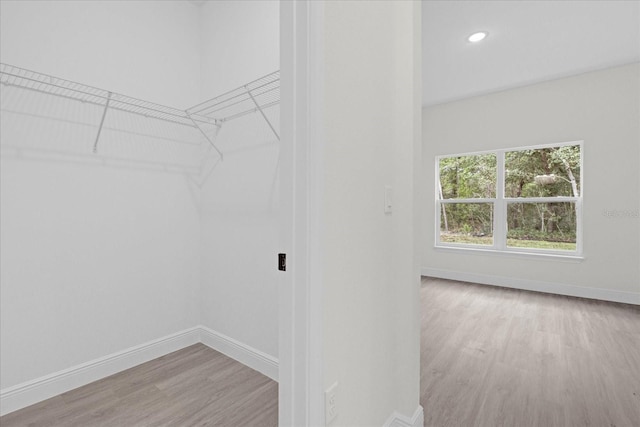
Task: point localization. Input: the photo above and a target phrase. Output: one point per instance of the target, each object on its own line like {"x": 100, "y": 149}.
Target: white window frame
{"x": 500, "y": 204}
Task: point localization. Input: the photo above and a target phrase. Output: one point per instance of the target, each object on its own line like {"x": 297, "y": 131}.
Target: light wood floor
{"x": 489, "y": 357}
{"x": 193, "y": 386}
{"x": 503, "y": 357}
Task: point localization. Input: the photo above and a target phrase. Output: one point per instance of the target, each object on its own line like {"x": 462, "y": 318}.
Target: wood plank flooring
{"x": 195, "y": 386}
{"x": 489, "y": 356}
{"x": 503, "y": 357}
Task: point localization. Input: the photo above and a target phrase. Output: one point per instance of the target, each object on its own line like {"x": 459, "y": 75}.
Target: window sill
{"x": 510, "y": 253}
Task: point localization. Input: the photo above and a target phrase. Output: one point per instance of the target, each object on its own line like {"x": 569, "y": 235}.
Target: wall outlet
{"x": 330, "y": 404}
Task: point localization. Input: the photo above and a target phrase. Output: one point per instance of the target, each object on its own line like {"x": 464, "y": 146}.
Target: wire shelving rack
{"x": 255, "y": 96}
{"x": 252, "y": 97}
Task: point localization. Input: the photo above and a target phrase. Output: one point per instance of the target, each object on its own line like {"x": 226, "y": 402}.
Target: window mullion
{"x": 500, "y": 207}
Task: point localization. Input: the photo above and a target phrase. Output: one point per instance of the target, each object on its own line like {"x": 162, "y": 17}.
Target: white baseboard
{"x": 399, "y": 420}
{"x": 538, "y": 286}
{"x": 249, "y": 356}
{"x": 34, "y": 391}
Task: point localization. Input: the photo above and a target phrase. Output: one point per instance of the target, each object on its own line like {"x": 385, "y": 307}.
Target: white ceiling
{"x": 528, "y": 42}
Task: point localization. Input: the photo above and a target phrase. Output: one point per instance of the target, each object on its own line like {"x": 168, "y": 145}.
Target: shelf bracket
{"x": 104, "y": 115}
{"x": 205, "y": 134}
{"x": 262, "y": 112}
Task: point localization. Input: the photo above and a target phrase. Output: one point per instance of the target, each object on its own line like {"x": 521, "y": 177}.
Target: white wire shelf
{"x": 27, "y": 79}
{"x": 207, "y": 117}
{"x": 257, "y": 95}
{"x": 253, "y": 97}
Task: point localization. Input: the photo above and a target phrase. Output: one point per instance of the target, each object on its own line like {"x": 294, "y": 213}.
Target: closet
{"x": 139, "y": 205}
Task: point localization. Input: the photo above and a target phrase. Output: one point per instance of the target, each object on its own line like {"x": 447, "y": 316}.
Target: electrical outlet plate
{"x": 331, "y": 404}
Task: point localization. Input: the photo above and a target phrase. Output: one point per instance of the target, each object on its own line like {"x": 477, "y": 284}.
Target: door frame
{"x": 301, "y": 400}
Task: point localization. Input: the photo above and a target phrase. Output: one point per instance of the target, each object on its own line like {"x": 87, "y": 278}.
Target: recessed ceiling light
{"x": 476, "y": 37}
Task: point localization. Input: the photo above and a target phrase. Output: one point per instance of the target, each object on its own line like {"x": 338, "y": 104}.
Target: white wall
{"x": 239, "y": 296}
{"x": 369, "y": 273}
{"x": 147, "y": 50}
{"x": 94, "y": 259}
{"x": 603, "y": 109}
{"x": 239, "y": 43}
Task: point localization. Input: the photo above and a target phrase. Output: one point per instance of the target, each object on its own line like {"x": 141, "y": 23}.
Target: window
{"x": 516, "y": 200}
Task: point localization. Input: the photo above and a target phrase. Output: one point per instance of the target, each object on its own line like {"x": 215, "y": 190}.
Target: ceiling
{"x": 528, "y": 42}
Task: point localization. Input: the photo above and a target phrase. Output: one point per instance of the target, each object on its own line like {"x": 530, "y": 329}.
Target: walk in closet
{"x": 139, "y": 202}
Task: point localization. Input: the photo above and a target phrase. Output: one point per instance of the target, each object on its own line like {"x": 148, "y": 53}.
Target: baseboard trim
{"x": 399, "y": 420}
{"x": 247, "y": 355}
{"x": 34, "y": 391}
{"x": 535, "y": 285}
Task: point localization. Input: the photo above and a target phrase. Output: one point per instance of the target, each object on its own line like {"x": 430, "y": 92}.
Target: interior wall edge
{"x": 34, "y": 391}
{"x": 243, "y": 353}
{"x": 536, "y": 286}
{"x": 399, "y": 420}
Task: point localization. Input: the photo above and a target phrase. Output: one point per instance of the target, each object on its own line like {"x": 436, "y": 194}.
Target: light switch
{"x": 388, "y": 200}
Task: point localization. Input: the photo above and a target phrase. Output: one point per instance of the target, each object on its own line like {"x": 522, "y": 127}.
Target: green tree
{"x": 544, "y": 172}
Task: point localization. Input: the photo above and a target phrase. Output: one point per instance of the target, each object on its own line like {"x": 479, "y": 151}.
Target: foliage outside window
{"x": 522, "y": 200}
